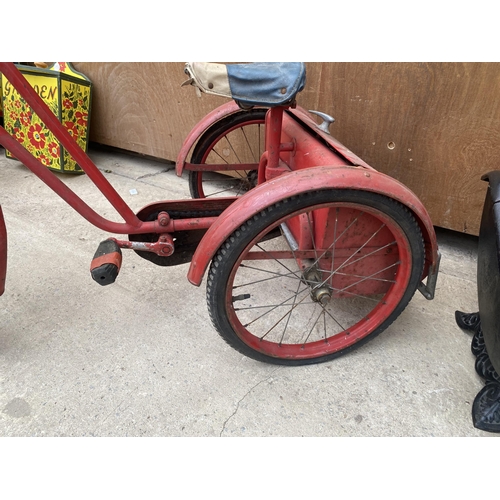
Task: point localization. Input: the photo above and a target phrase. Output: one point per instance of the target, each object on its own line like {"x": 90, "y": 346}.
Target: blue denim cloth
{"x": 265, "y": 83}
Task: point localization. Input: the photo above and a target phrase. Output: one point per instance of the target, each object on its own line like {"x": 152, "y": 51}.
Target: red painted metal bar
{"x": 68, "y": 195}
{"x": 15, "y": 77}
{"x": 189, "y": 224}
{"x": 273, "y": 136}
{"x": 211, "y": 167}
{"x": 3, "y": 252}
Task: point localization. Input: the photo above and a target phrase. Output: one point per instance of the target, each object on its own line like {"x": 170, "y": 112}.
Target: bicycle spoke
{"x": 275, "y": 260}
{"x": 361, "y": 247}
{"x": 248, "y": 142}
{"x": 276, "y": 275}
{"x": 311, "y": 330}
{"x": 334, "y": 319}
{"x": 276, "y": 306}
{"x": 368, "y": 277}
{"x": 335, "y": 236}
{"x": 221, "y": 191}
{"x": 336, "y": 290}
{"x": 279, "y": 321}
{"x": 353, "y": 254}
{"x": 289, "y": 316}
{"x": 215, "y": 151}
{"x": 232, "y": 149}
{"x": 367, "y": 255}
{"x": 365, "y": 277}
{"x": 312, "y": 235}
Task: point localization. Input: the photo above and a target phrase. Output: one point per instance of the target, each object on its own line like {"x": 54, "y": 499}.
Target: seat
{"x": 264, "y": 84}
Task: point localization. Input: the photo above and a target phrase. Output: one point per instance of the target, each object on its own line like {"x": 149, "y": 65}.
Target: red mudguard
{"x": 213, "y": 117}
{"x": 310, "y": 179}
{"x": 230, "y": 108}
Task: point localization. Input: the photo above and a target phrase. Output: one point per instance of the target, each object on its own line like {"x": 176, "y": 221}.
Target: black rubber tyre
{"x": 238, "y": 138}
{"x": 379, "y": 237}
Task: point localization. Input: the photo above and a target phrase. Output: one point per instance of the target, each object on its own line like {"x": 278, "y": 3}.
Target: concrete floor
{"x": 140, "y": 357}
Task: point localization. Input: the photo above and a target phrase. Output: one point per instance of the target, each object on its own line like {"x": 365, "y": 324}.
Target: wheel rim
{"x": 269, "y": 299}
{"x": 240, "y": 144}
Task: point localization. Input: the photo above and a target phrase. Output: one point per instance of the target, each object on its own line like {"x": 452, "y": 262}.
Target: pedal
{"x": 106, "y": 263}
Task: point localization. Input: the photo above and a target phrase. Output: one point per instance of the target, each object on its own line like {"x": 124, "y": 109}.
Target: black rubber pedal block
{"x": 106, "y": 263}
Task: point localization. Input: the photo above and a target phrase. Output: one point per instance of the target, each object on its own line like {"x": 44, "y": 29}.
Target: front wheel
{"x": 315, "y": 275}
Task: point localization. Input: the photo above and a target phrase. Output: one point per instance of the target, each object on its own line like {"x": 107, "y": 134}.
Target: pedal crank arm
{"x": 163, "y": 247}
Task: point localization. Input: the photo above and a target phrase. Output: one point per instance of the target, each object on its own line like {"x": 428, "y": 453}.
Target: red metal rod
{"x": 190, "y": 224}
{"x": 20, "y": 83}
{"x": 211, "y": 167}
{"x": 67, "y": 194}
{"x": 273, "y": 136}
{"x": 3, "y": 252}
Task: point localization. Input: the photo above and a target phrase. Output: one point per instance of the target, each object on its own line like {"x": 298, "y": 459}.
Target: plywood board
{"x": 433, "y": 126}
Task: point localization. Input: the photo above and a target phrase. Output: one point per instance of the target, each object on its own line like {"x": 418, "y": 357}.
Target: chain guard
{"x": 185, "y": 242}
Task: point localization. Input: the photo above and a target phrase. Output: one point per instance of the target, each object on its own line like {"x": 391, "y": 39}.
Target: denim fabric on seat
{"x": 266, "y": 84}
{"x": 254, "y": 84}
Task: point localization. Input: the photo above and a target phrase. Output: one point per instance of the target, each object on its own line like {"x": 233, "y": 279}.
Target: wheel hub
{"x": 320, "y": 292}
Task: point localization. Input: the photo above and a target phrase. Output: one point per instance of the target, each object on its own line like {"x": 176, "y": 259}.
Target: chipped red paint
{"x": 3, "y": 252}
{"x": 52, "y": 122}
{"x": 212, "y": 117}
{"x": 300, "y": 181}
{"x": 298, "y": 158}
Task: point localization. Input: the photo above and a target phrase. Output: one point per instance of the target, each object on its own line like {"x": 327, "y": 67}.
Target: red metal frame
{"x": 286, "y": 139}
{"x": 131, "y": 225}
{"x": 334, "y": 167}
{"x": 297, "y": 182}
{"x": 3, "y": 252}
{"x": 339, "y": 148}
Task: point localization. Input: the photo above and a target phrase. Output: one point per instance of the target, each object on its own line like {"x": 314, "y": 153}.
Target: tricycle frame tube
{"x": 213, "y": 167}
{"x": 68, "y": 195}
{"x": 273, "y": 136}
{"x": 274, "y": 119}
{"x": 51, "y": 121}
{"x": 3, "y": 252}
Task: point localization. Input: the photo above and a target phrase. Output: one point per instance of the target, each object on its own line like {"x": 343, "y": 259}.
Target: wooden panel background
{"x": 433, "y": 126}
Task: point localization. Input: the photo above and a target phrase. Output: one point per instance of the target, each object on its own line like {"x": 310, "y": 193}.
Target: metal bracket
{"x": 429, "y": 289}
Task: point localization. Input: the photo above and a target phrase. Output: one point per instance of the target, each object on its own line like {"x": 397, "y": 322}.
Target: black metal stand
{"x": 486, "y": 406}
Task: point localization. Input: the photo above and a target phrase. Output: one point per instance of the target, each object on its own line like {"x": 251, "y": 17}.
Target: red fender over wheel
{"x": 212, "y": 117}
{"x": 228, "y": 109}
{"x": 300, "y": 181}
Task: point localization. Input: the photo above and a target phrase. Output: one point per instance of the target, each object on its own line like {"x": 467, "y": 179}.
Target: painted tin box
{"x": 68, "y": 94}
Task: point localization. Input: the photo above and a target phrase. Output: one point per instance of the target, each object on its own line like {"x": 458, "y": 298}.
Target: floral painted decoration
{"x": 67, "y": 93}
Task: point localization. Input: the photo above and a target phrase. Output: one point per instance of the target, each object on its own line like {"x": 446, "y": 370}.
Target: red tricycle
{"x": 309, "y": 252}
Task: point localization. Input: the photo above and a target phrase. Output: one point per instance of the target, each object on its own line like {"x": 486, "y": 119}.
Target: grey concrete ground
{"x": 140, "y": 357}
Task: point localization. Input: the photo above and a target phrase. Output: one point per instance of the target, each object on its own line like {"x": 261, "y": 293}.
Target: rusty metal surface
{"x": 211, "y": 118}
{"x": 3, "y": 252}
{"x": 52, "y": 122}
{"x": 140, "y": 358}
{"x": 301, "y": 181}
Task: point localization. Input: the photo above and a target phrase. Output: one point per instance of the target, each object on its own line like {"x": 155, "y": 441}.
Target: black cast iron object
{"x": 488, "y": 269}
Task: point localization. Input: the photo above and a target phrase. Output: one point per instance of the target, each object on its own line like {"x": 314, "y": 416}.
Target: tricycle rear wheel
{"x": 274, "y": 304}
{"x": 236, "y": 139}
